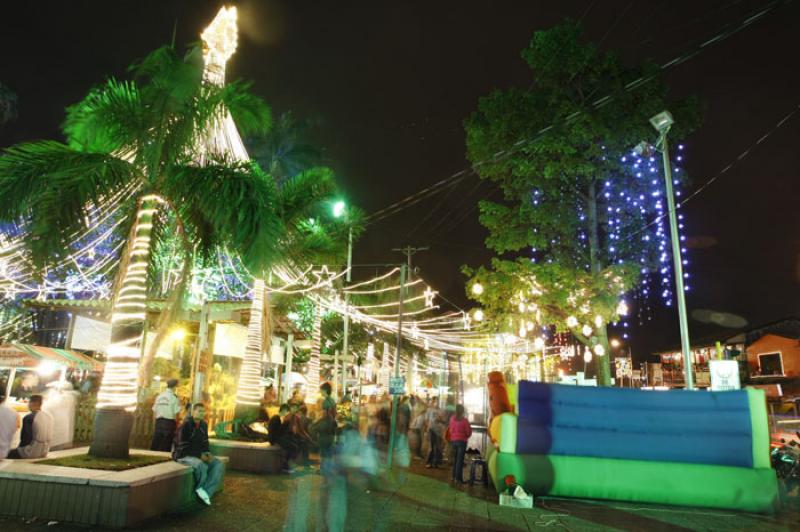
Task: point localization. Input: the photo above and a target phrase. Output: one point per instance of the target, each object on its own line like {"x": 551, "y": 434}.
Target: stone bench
{"x": 93, "y": 497}
{"x": 252, "y": 457}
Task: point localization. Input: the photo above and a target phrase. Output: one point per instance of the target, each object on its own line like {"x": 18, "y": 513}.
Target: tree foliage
{"x": 564, "y": 229}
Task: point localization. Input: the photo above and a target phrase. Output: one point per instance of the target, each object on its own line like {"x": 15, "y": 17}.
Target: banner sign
{"x": 724, "y": 375}
{"x": 397, "y": 385}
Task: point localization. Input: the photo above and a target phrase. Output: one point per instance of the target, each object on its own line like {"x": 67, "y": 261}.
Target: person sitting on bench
{"x": 192, "y": 449}
{"x": 36, "y": 433}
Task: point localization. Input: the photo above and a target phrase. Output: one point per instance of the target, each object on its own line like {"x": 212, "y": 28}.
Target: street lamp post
{"x": 662, "y": 122}
{"x": 340, "y": 209}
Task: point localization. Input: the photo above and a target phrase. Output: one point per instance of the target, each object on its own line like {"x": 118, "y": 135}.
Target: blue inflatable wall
{"x": 677, "y": 426}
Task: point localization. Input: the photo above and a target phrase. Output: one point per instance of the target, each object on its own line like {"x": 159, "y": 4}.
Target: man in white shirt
{"x": 37, "y": 432}
{"x": 9, "y": 423}
{"x": 166, "y": 408}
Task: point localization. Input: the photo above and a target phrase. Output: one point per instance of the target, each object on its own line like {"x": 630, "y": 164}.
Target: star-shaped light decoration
{"x": 467, "y": 321}
{"x": 429, "y": 295}
{"x": 324, "y": 276}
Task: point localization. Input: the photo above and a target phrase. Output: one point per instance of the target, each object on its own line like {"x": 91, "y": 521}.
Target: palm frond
{"x": 307, "y": 194}
{"x": 50, "y": 185}
{"x": 230, "y": 204}
{"x": 250, "y": 112}
{"x": 284, "y": 151}
{"x": 111, "y": 117}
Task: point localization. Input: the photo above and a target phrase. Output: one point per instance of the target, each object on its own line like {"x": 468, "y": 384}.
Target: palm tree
{"x": 310, "y": 235}
{"x": 143, "y": 134}
{"x": 283, "y": 152}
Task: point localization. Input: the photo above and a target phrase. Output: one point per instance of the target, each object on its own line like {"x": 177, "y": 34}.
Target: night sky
{"x": 390, "y": 83}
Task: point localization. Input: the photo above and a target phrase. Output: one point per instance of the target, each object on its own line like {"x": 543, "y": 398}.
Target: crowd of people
{"x": 346, "y": 437}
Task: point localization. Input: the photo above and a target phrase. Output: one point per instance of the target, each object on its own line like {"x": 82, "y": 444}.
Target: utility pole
{"x": 409, "y": 252}
{"x": 392, "y": 437}
{"x": 346, "y": 342}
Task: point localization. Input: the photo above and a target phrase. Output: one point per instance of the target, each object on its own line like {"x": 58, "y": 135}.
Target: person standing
{"x": 9, "y": 423}
{"x": 458, "y": 432}
{"x": 192, "y": 450}
{"x": 166, "y": 408}
{"x": 435, "y": 425}
{"x": 36, "y": 433}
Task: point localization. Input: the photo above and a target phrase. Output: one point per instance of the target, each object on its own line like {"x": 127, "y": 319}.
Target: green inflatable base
{"x": 679, "y": 484}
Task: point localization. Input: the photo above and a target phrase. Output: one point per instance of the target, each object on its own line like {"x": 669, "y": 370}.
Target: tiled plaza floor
{"x": 419, "y": 499}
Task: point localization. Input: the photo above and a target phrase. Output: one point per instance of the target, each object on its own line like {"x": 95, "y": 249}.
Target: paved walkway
{"x": 420, "y": 499}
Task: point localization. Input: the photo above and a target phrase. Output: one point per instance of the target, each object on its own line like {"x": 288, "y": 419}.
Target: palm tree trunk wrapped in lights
{"x": 312, "y": 389}
{"x": 117, "y": 397}
{"x": 248, "y": 393}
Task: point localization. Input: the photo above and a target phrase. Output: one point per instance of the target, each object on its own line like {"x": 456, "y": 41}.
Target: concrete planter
{"x": 249, "y": 456}
{"x": 114, "y": 499}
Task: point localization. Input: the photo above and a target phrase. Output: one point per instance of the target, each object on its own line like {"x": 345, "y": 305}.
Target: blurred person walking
{"x": 435, "y": 423}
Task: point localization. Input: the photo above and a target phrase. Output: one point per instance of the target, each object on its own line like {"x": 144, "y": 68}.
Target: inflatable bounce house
{"x": 688, "y": 448}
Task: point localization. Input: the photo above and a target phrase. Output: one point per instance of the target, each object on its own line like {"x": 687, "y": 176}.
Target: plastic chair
{"x": 479, "y": 462}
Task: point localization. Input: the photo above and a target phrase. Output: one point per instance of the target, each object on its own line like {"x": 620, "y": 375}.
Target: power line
{"x": 616, "y": 22}
{"x": 727, "y": 31}
{"x": 719, "y": 174}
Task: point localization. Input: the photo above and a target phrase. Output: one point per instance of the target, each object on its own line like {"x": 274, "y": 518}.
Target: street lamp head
{"x": 662, "y": 121}
{"x": 338, "y": 209}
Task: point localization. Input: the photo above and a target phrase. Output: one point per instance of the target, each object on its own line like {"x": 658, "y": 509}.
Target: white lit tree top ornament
{"x": 220, "y": 39}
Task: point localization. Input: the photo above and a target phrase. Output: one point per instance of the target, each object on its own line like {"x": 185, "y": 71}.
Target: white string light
{"x": 249, "y": 390}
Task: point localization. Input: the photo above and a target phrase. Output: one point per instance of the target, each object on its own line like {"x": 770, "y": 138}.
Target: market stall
{"x": 27, "y": 370}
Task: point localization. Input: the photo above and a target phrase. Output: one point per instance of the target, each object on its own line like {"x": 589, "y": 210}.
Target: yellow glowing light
{"x": 622, "y": 308}
{"x": 615, "y": 343}
{"x": 178, "y": 335}
{"x": 478, "y": 315}
{"x": 598, "y": 321}
{"x": 522, "y": 307}
{"x": 572, "y": 322}
{"x": 47, "y": 367}
{"x": 477, "y": 289}
{"x": 586, "y": 330}
{"x": 538, "y": 343}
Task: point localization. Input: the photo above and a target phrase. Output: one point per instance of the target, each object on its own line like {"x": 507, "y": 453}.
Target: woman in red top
{"x": 459, "y": 431}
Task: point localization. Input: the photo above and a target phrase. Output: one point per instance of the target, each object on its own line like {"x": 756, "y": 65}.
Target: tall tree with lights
{"x": 578, "y": 225}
